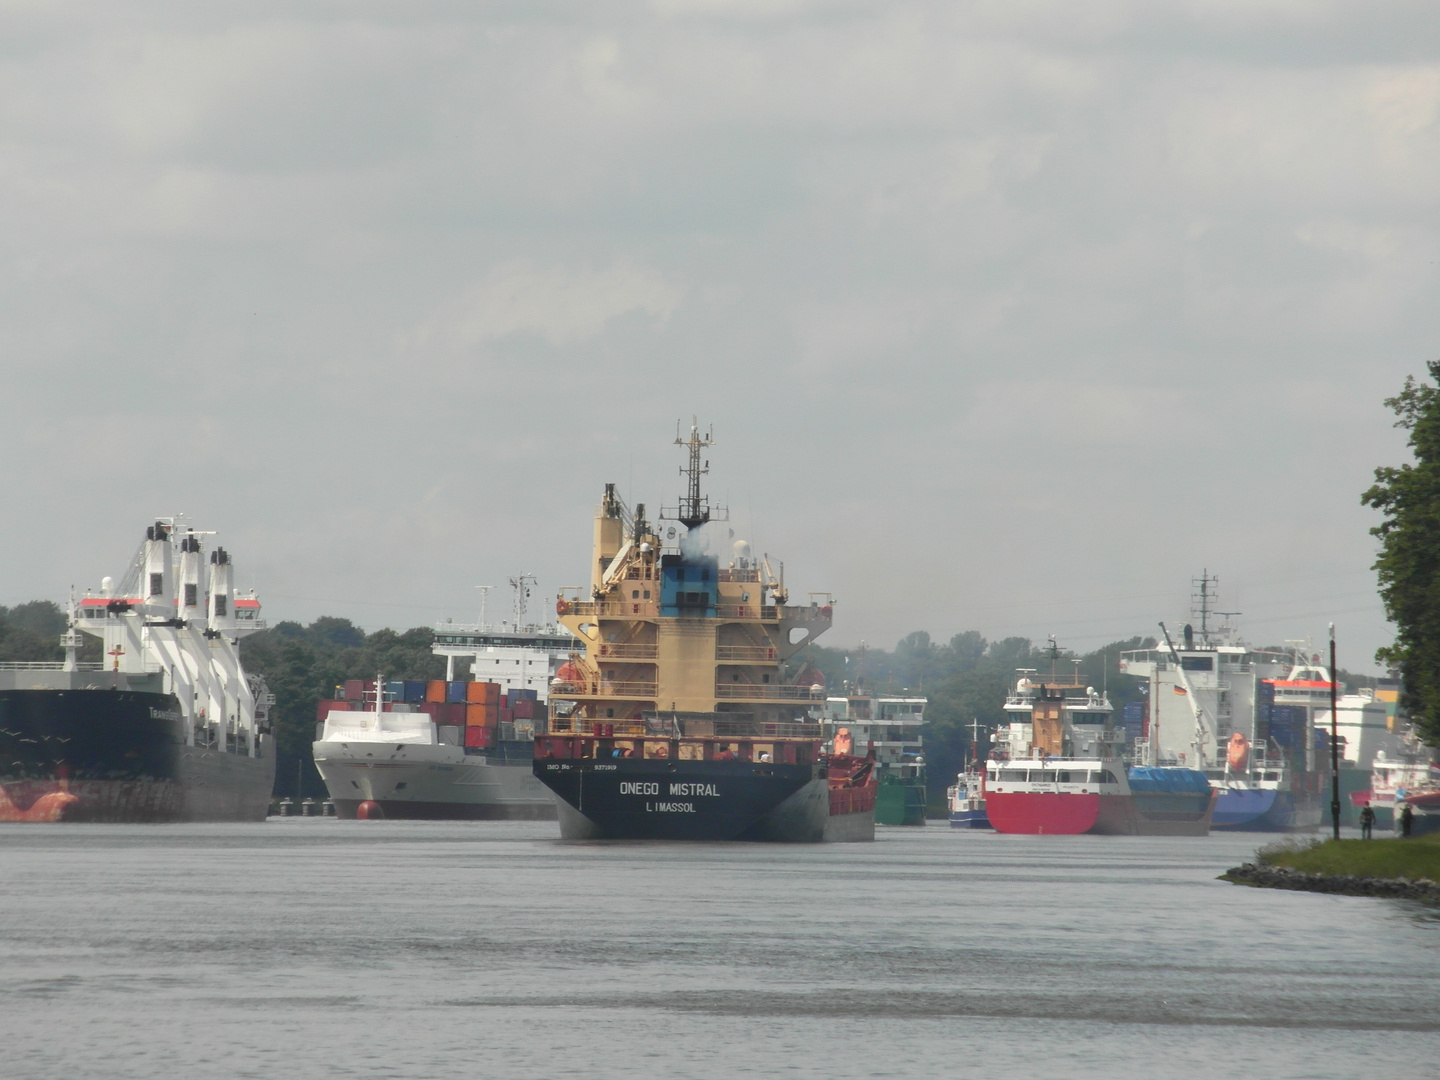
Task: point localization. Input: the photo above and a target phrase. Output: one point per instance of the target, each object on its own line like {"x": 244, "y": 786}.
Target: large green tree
{"x": 1409, "y": 564}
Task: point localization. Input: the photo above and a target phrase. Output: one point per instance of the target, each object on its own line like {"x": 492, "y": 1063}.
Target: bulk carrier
{"x": 171, "y": 728}
{"x": 676, "y": 722}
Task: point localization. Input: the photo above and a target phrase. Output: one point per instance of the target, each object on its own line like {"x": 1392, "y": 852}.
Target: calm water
{"x": 319, "y": 948}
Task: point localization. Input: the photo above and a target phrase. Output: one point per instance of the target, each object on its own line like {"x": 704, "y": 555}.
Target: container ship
{"x": 1059, "y": 768}
{"x": 171, "y": 728}
{"x": 1256, "y": 722}
{"x": 676, "y": 722}
{"x": 434, "y": 750}
{"x": 453, "y": 748}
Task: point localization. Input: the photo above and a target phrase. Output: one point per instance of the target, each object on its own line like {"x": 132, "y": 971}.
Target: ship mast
{"x": 694, "y": 508}
{"x": 1200, "y": 601}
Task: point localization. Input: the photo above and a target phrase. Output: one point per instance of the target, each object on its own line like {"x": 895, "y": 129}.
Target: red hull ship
{"x": 1058, "y": 771}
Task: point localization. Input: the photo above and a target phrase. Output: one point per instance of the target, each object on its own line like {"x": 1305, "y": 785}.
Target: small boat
{"x": 966, "y": 801}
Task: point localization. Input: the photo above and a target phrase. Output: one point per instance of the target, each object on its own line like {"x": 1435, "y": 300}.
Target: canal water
{"x": 321, "y": 948}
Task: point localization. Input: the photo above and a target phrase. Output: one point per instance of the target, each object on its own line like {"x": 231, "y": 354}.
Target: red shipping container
{"x": 507, "y": 716}
{"x": 456, "y": 712}
{"x": 353, "y": 689}
{"x": 432, "y": 708}
{"x": 435, "y": 690}
{"x": 524, "y": 709}
{"x": 481, "y": 715}
{"x": 479, "y": 736}
{"x": 324, "y": 707}
{"x": 482, "y": 693}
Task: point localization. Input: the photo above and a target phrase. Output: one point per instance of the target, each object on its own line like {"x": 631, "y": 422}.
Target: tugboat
{"x": 966, "y": 800}
{"x": 172, "y": 730}
{"x": 676, "y": 723}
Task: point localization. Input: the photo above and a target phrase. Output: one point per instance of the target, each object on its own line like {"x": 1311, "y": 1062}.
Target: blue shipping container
{"x": 414, "y": 691}
{"x": 394, "y": 690}
{"x": 455, "y": 692}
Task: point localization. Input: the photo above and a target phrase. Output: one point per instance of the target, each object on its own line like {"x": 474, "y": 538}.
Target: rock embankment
{"x": 1282, "y": 877}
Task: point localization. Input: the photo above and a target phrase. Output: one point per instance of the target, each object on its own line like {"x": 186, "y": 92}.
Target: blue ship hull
{"x": 969, "y": 819}
{"x": 1265, "y": 810}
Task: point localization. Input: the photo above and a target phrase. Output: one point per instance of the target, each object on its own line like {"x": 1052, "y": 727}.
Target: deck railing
{"x": 745, "y": 652}
{"x": 767, "y": 692}
{"x": 49, "y": 665}
{"x": 607, "y": 651}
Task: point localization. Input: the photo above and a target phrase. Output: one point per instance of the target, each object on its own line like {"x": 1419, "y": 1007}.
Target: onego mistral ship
{"x": 676, "y": 723}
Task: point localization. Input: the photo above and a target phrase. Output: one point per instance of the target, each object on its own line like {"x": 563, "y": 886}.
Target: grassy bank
{"x": 1413, "y": 859}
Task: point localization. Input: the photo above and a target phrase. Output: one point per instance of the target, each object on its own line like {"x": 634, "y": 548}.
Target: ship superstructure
{"x": 519, "y": 654}
{"x": 677, "y": 719}
{"x": 169, "y": 727}
{"x": 892, "y": 725}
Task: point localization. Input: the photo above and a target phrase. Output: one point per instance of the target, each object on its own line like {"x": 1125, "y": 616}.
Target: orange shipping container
{"x": 483, "y": 693}
{"x": 481, "y": 715}
{"x": 435, "y": 690}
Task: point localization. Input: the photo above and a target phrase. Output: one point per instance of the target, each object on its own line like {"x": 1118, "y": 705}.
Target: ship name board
{"x": 670, "y": 808}
{"x": 635, "y": 787}
{"x": 694, "y": 789}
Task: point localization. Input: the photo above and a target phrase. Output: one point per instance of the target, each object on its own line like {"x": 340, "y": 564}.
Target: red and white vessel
{"x": 1058, "y": 769}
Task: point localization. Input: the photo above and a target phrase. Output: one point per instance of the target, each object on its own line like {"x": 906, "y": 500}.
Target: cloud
{"x": 558, "y": 305}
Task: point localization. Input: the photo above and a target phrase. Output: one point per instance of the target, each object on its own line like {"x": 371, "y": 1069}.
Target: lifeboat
{"x": 1237, "y": 753}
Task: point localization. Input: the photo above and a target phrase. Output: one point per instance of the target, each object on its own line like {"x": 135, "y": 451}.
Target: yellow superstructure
{"x": 670, "y": 629}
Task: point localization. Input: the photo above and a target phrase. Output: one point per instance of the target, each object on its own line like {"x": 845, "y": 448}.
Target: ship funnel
{"x": 190, "y": 567}
{"x": 157, "y": 586}
{"x": 221, "y": 584}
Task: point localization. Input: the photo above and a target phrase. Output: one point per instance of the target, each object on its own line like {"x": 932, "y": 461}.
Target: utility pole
{"x": 1334, "y": 742}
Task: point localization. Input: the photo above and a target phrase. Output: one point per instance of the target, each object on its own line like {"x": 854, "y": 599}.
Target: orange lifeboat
{"x": 844, "y": 743}
{"x": 1237, "y": 752}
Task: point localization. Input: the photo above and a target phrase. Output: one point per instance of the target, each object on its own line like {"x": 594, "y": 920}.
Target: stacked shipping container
{"x": 479, "y": 709}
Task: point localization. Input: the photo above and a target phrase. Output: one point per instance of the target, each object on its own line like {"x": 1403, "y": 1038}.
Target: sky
{"x": 1007, "y": 316}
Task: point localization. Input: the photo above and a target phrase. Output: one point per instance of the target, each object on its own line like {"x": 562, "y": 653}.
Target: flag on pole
{"x": 1179, "y": 690}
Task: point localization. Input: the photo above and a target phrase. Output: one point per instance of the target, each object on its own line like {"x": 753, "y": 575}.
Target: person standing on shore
{"x": 1367, "y": 821}
{"x": 1407, "y": 818}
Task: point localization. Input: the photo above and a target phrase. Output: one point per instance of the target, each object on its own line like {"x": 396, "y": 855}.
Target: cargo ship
{"x": 171, "y": 728}
{"x": 1059, "y": 768}
{"x": 892, "y": 725}
{"x": 676, "y": 722}
{"x": 433, "y": 750}
{"x": 1244, "y": 717}
{"x": 453, "y": 748}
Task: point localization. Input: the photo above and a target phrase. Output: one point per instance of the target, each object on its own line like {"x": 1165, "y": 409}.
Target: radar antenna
{"x": 694, "y": 509}
{"x": 1208, "y": 586}
{"x": 521, "y": 584}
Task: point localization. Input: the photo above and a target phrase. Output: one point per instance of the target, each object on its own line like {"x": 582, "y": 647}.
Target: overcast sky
{"x": 1010, "y": 316}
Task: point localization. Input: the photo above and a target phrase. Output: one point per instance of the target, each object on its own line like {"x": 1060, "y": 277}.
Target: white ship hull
{"x": 400, "y": 780}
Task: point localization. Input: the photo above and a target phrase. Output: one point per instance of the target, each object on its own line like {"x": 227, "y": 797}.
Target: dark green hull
{"x": 899, "y": 804}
